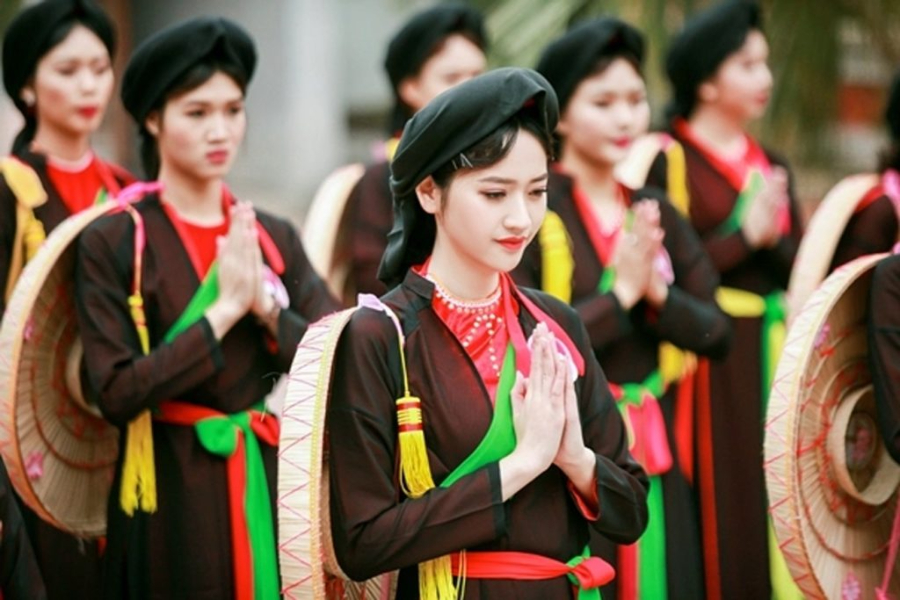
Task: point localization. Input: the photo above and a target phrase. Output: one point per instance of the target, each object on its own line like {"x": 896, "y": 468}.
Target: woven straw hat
{"x": 59, "y": 451}
{"x": 309, "y": 568}
{"x": 822, "y": 236}
{"x": 832, "y": 485}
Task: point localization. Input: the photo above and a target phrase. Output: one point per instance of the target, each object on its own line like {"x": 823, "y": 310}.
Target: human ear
{"x": 708, "y": 92}
{"x": 429, "y": 194}
{"x": 153, "y": 123}
{"x": 410, "y": 92}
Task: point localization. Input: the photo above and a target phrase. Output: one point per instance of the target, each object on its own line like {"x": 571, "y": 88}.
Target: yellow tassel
{"x": 557, "y": 263}
{"x": 676, "y": 173}
{"x": 138, "y": 489}
{"x": 415, "y": 472}
{"x": 436, "y": 580}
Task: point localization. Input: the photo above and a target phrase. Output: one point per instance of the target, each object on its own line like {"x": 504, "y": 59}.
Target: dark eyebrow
{"x": 503, "y": 180}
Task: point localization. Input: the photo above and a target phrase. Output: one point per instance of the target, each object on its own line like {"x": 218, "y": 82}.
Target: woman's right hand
{"x": 760, "y": 223}
{"x": 634, "y": 254}
{"x": 539, "y": 414}
{"x": 240, "y": 269}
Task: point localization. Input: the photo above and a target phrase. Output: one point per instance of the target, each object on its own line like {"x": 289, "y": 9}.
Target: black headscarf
{"x": 892, "y": 110}
{"x": 415, "y": 43}
{"x": 572, "y": 58}
{"x": 448, "y": 126}
{"x": 706, "y": 41}
{"x": 162, "y": 59}
{"x": 29, "y": 37}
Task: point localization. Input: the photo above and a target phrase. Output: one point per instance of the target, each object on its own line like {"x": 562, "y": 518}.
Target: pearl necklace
{"x": 486, "y": 317}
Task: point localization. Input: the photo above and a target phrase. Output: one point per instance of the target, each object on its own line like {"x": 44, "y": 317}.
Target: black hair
{"x": 494, "y": 147}
{"x": 189, "y": 80}
{"x": 890, "y": 158}
{"x": 56, "y": 37}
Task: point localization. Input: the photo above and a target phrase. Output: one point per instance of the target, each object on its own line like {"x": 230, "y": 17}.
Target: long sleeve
{"x": 309, "y": 300}
{"x": 20, "y": 577}
{"x": 884, "y": 349}
{"x": 123, "y": 379}
{"x": 374, "y": 529}
{"x": 690, "y": 318}
{"x": 604, "y": 318}
{"x": 621, "y": 482}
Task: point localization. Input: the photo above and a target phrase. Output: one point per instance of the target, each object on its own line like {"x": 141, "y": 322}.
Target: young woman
{"x": 737, "y": 196}
{"x": 226, "y": 293}
{"x": 639, "y": 278}
{"x": 469, "y": 181}
{"x": 438, "y": 48}
{"x": 57, "y": 69}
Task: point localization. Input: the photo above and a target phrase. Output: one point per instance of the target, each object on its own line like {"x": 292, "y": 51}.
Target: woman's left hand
{"x": 573, "y": 457}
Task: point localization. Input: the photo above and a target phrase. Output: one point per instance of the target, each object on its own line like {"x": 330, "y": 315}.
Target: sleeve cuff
{"x": 588, "y": 507}
{"x": 212, "y": 344}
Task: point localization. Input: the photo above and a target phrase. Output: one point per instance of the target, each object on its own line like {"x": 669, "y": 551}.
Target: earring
{"x": 28, "y": 98}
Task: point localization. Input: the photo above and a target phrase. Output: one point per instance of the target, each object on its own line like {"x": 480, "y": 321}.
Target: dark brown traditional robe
{"x": 736, "y": 481}
{"x": 184, "y": 549}
{"x": 376, "y": 529}
{"x": 70, "y": 566}
{"x": 626, "y": 345}
{"x": 367, "y": 220}
{"x": 869, "y": 231}
{"x": 884, "y": 349}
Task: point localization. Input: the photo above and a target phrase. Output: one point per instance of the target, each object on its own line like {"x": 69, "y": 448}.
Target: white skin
{"x": 735, "y": 95}
{"x": 457, "y": 60}
{"x": 198, "y": 134}
{"x": 477, "y": 216}
{"x": 70, "y": 91}
{"x": 605, "y": 114}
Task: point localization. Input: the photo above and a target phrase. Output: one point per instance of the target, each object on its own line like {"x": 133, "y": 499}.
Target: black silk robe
{"x": 869, "y": 231}
{"x": 184, "y": 549}
{"x": 70, "y": 566}
{"x": 376, "y": 529}
{"x": 367, "y": 220}
{"x": 626, "y": 345}
{"x": 884, "y": 349}
{"x": 739, "y": 522}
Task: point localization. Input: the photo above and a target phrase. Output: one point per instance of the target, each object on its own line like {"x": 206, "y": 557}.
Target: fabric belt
{"x": 236, "y": 438}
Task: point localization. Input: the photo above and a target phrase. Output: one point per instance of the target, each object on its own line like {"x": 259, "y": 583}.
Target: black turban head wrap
{"x": 158, "y": 63}
{"x": 706, "y": 41}
{"x": 573, "y": 57}
{"x": 448, "y": 126}
{"x": 892, "y": 111}
{"x": 417, "y": 41}
{"x": 32, "y": 34}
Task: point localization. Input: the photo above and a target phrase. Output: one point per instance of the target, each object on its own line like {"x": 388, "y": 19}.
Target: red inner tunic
{"x": 480, "y": 328}
{"x": 78, "y": 187}
{"x": 203, "y": 239}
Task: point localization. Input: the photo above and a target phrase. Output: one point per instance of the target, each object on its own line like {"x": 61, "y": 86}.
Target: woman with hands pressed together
{"x": 637, "y": 275}
{"x": 499, "y": 392}
{"x": 738, "y": 197}
{"x": 189, "y": 302}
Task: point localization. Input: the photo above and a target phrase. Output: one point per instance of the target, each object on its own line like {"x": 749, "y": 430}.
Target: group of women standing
{"x": 588, "y": 360}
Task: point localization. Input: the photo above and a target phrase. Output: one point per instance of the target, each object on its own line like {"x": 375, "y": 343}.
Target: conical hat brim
{"x": 60, "y": 456}
{"x": 309, "y": 569}
{"x": 831, "y": 533}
